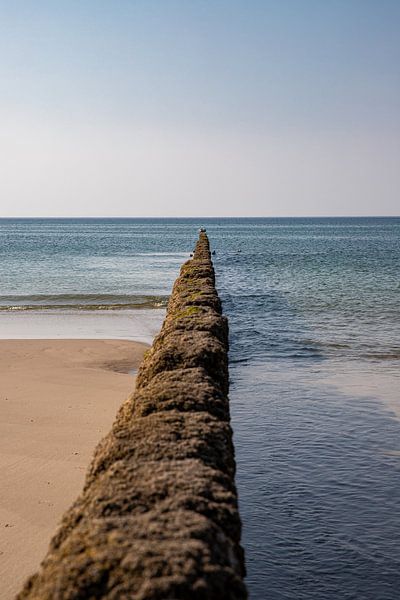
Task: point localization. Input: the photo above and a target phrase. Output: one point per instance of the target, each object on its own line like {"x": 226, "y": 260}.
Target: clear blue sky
{"x": 176, "y": 108}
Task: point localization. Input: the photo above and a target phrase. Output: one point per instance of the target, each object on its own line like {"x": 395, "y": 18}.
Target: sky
{"x": 199, "y": 108}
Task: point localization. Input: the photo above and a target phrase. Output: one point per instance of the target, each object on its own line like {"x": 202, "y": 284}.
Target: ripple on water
{"x": 320, "y": 501}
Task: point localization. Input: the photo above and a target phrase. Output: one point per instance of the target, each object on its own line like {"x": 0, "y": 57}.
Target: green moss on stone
{"x": 190, "y": 311}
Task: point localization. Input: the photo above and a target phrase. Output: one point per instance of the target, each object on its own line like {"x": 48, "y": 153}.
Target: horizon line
{"x": 208, "y": 217}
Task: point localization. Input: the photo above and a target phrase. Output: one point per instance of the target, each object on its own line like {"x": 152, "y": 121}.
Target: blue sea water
{"x": 313, "y": 307}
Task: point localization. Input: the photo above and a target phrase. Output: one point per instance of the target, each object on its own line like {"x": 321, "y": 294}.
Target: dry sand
{"x": 57, "y": 399}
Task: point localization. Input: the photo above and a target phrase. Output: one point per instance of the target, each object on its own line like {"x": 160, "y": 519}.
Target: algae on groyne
{"x": 158, "y": 516}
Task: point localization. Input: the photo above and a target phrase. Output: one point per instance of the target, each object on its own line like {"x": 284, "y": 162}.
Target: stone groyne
{"x": 158, "y": 516}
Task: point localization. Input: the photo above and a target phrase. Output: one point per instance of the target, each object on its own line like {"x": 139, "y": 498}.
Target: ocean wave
{"x": 390, "y": 355}
{"x": 87, "y": 302}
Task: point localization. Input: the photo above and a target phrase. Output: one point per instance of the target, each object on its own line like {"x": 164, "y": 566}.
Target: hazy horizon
{"x": 195, "y": 217}
{"x": 170, "y": 109}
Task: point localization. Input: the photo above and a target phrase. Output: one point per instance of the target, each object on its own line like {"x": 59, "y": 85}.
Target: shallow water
{"x": 140, "y": 325}
{"x": 313, "y": 306}
{"x": 318, "y": 477}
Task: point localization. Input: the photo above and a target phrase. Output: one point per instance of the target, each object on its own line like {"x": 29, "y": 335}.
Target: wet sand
{"x": 57, "y": 399}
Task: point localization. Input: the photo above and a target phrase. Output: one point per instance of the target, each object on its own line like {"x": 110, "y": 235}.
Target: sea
{"x": 314, "y": 315}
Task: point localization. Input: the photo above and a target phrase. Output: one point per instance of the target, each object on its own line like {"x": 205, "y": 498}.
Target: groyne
{"x": 158, "y": 516}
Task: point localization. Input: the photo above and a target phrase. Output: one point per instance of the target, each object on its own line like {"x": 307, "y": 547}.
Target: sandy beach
{"x": 57, "y": 398}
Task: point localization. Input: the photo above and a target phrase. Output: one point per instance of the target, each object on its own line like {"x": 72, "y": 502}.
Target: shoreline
{"x": 58, "y": 398}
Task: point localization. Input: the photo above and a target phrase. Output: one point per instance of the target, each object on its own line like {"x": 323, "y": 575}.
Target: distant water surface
{"x": 313, "y": 306}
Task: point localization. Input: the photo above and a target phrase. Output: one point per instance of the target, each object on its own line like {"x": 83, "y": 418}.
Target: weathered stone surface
{"x": 158, "y": 516}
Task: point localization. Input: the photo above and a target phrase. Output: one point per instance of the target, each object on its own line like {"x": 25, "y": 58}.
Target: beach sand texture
{"x": 57, "y": 399}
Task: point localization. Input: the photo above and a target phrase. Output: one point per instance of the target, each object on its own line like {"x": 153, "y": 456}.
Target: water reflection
{"x": 320, "y": 499}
